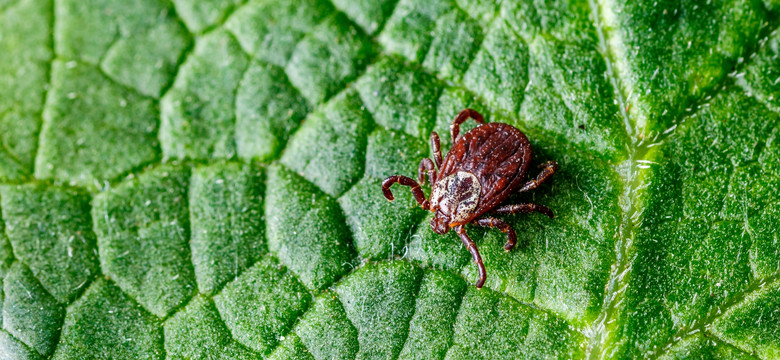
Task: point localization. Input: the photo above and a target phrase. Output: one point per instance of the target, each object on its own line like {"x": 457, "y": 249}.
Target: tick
{"x": 484, "y": 166}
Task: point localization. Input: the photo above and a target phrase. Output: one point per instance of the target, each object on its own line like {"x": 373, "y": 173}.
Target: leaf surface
{"x": 201, "y": 179}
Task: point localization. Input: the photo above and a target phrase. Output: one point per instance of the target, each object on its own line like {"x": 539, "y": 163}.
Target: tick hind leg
{"x": 405, "y": 181}
{"x": 523, "y": 208}
{"x": 490, "y": 222}
{"x": 461, "y": 118}
{"x": 548, "y": 169}
{"x": 472, "y": 248}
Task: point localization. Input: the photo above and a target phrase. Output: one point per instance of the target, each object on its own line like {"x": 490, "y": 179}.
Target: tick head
{"x": 440, "y": 223}
{"x": 456, "y": 198}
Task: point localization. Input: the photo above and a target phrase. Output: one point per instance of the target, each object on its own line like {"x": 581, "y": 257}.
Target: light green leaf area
{"x": 201, "y": 179}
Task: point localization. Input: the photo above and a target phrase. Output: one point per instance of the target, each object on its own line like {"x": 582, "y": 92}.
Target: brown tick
{"x": 484, "y": 167}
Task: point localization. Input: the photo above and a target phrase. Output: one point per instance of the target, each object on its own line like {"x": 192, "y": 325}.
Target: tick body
{"x": 484, "y": 167}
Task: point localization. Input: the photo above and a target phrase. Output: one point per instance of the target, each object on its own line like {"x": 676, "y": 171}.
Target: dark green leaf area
{"x": 268, "y": 110}
{"x": 94, "y": 130}
{"x": 430, "y": 330}
{"x": 2, "y": 296}
{"x": 379, "y": 300}
{"x": 432, "y": 250}
{"x": 499, "y": 69}
{"x": 455, "y": 38}
{"x": 106, "y": 324}
{"x": 329, "y": 149}
{"x": 226, "y": 213}
{"x": 136, "y": 43}
{"x": 26, "y": 45}
{"x": 765, "y": 254}
{"x": 381, "y": 229}
{"x": 197, "y": 333}
{"x": 367, "y": 210}
{"x": 492, "y": 326}
{"x": 761, "y": 74}
{"x": 270, "y": 30}
{"x": 13, "y": 349}
{"x": 291, "y": 348}
{"x": 306, "y": 229}
{"x": 394, "y": 153}
{"x": 26, "y": 48}
{"x": 50, "y": 231}
{"x": 198, "y": 112}
{"x": 482, "y": 10}
{"x": 202, "y": 14}
{"x": 262, "y": 304}
{"x": 328, "y": 58}
{"x": 565, "y": 97}
{"x": 409, "y": 31}
{"x": 368, "y": 14}
{"x": 696, "y": 252}
{"x": 702, "y": 347}
{"x": 6, "y": 252}
{"x": 326, "y": 331}
{"x": 144, "y": 238}
{"x": 676, "y": 53}
{"x": 29, "y": 313}
{"x": 570, "y": 21}
{"x": 571, "y": 254}
{"x": 399, "y": 97}
{"x": 17, "y": 144}
{"x": 753, "y": 325}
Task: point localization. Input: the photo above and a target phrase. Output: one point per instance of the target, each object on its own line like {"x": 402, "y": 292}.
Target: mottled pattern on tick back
{"x": 457, "y": 196}
{"x": 499, "y": 153}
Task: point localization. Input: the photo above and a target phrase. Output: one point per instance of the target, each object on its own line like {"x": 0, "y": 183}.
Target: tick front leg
{"x": 490, "y": 222}
{"x": 405, "y": 181}
{"x": 426, "y": 165}
{"x": 548, "y": 169}
{"x": 523, "y": 208}
{"x": 436, "y": 146}
{"x": 461, "y": 118}
{"x": 472, "y": 248}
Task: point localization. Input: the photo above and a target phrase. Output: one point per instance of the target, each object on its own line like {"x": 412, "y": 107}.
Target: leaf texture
{"x": 201, "y": 179}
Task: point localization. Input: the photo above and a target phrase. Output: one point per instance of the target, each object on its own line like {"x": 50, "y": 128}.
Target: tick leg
{"x": 490, "y": 222}
{"x": 548, "y": 169}
{"x": 523, "y": 208}
{"x": 405, "y": 181}
{"x": 461, "y": 118}
{"x": 436, "y": 146}
{"x": 426, "y": 165}
{"x": 472, "y": 248}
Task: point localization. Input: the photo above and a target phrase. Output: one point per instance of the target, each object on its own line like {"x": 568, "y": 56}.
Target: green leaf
{"x": 106, "y": 324}
{"x": 201, "y": 179}
{"x": 196, "y": 332}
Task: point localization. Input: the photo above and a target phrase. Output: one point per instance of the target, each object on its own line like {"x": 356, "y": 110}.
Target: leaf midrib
{"x": 643, "y": 150}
